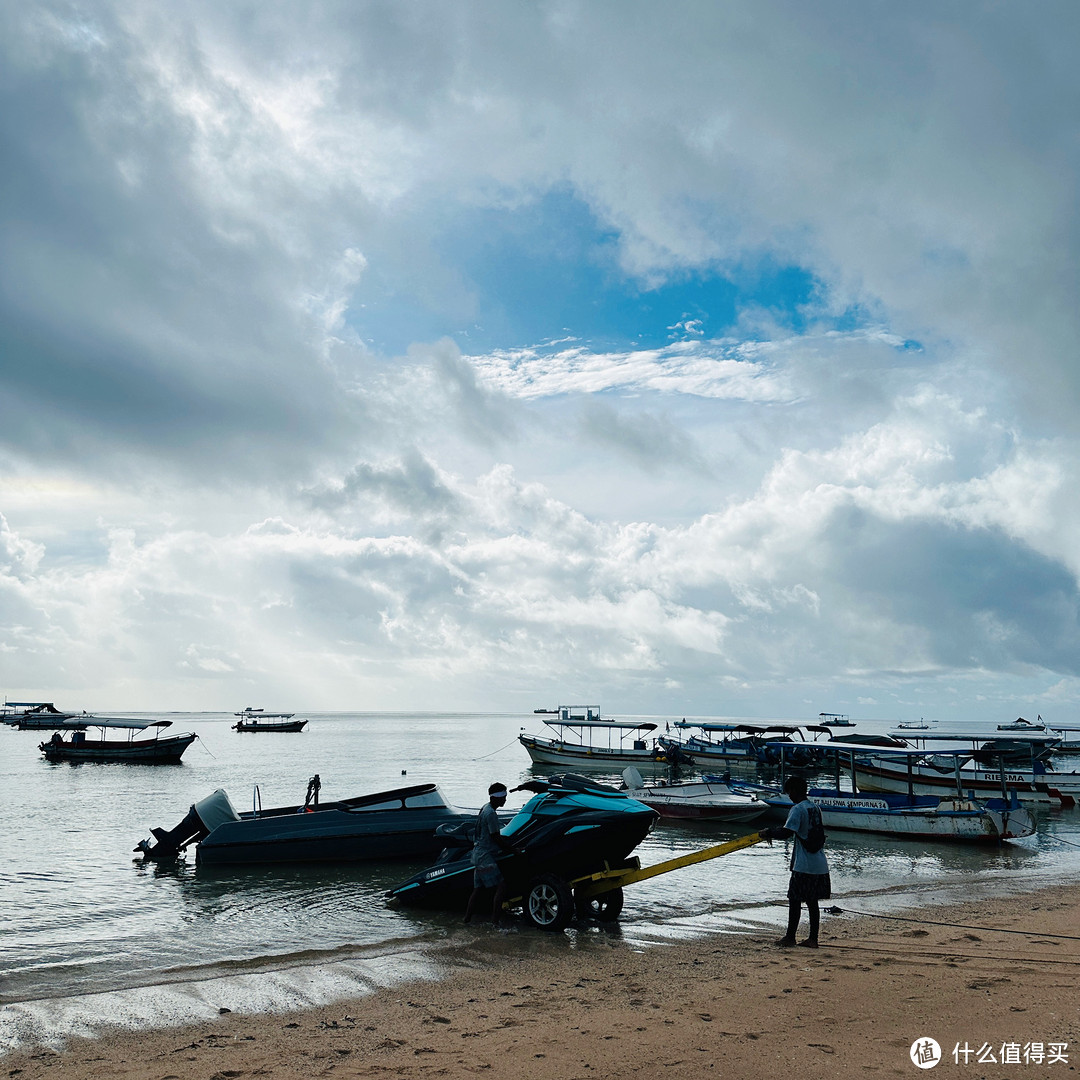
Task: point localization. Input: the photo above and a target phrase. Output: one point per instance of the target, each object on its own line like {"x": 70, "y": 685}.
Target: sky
{"x": 701, "y": 359}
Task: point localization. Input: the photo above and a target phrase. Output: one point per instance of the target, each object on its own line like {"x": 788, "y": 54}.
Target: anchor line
{"x": 494, "y": 752}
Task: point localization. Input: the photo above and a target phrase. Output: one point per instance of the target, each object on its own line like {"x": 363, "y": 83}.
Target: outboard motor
{"x": 203, "y": 817}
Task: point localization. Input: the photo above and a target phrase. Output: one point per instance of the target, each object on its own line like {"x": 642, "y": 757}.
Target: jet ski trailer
{"x": 573, "y": 841}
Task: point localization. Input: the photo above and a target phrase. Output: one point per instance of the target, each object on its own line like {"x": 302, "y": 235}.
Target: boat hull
{"x": 952, "y": 819}
{"x": 1061, "y": 789}
{"x": 270, "y": 725}
{"x": 554, "y": 752}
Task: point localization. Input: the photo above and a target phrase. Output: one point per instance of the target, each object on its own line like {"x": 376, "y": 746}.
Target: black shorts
{"x": 809, "y": 887}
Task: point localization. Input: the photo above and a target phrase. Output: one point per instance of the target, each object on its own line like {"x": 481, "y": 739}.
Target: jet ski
{"x": 570, "y": 828}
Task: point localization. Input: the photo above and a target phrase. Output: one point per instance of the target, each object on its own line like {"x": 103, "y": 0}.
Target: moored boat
{"x": 138, "y": 747}
{"x": 395, "y": 824}
{"x": 976, "y": 764}
{"x": 258, "y": 723}
{"x": 952, "y": 816}
{"x": 704, "y": 800}
{"x": 709, "y": 743}
{"x": 32, "y": 715}
{"x": 582, "y": 740}
{"x": 828, "y": 719}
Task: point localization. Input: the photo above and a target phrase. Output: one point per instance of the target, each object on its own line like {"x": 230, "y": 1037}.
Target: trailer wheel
{"x": 549, "y": 903}
{"x": 606, "y": 907}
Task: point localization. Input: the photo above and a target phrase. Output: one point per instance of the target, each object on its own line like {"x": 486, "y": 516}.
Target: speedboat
{"x": 569, "y": 829}
{"x": 396, "y": 824}
{"x": 1020, "y": 724}
{"x": 699, "y": 800}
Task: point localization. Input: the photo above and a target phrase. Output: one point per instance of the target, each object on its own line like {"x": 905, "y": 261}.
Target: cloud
{"x": 254, "y": 431}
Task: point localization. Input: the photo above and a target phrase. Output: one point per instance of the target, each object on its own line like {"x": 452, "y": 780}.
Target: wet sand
{"x": 521, "y": 1004}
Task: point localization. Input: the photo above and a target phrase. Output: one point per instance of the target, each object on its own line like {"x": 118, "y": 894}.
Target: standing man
{"x": 489, "y": 842}
{"x": 810, "y": 880}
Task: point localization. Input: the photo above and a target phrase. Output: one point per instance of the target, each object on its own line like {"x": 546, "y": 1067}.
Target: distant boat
{"x": 581, "y": 739}
{"x": 1020, "y": 724}
{"x": 829, "y": 719}
{"x": 31, "y": 714}
{"x": 155, "y": 750}
{"x": 257, "y": 720}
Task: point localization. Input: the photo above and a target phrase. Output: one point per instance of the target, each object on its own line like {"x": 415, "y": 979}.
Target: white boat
{"x": 1020, "y": 724}
{"x": 694, "y": 801}
{"x": 248, "y": 713}
{"x": 952, "y": 816}
{"x": 581, "y": 739}
{"x": 151, "y": 749}
{"x": 35, "y": 715}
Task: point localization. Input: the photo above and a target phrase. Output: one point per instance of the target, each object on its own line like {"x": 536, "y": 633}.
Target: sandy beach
{"x": 997, "y": 977}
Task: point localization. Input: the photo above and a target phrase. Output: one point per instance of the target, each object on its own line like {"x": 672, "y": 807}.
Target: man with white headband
{"x": 488, "y": 844}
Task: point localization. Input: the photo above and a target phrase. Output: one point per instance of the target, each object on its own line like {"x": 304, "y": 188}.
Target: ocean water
{"x": 91, "y": 935}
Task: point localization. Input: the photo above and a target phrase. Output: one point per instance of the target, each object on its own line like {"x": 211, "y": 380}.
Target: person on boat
{"x": 809, "y": 880}
{"x": 488, "y": 844}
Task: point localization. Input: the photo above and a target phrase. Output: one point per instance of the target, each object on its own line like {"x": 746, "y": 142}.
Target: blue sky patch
{"x": 549, "y": 270}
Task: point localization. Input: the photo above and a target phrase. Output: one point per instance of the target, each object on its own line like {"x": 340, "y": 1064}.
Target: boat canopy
{"x": 603, "y": 724}
{"x": 882, "y": 751}
{"x": 750, "y": 729}
{"x": 937, "y": 735}
{"x": 757, "y": 729}
{"x": 124, "y": 722}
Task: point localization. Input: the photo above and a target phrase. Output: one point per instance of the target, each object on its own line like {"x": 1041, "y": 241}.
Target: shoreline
{"x": 987, "y": 972}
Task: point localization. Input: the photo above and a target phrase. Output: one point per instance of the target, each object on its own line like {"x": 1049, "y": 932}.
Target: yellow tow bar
{"x": 605, "y": 880}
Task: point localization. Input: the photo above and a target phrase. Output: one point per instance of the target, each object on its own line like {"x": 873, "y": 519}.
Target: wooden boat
{"x": 956, "y": 816}
{"x": 980, "y": 771}
{"x": 583, "y": 740}
{"x": 397, "y": 824}
{"x": 153, "y": 750}
{"x": 259, "y": 723}
{"x": 258, "y": 720}
{"x": 705, "y": 800}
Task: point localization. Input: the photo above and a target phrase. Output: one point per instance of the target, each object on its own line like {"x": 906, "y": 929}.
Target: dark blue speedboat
{"x": 397, "y": 824}
{"x": 570, "y": 828}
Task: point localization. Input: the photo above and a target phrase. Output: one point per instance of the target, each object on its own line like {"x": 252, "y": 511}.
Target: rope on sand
{"x": 960, "y": 926}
